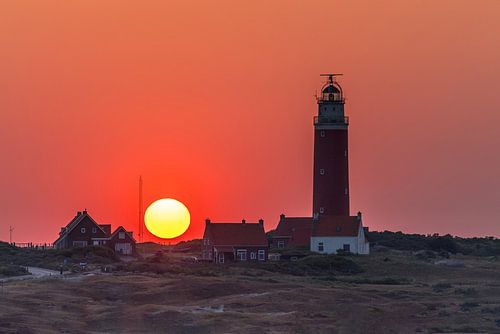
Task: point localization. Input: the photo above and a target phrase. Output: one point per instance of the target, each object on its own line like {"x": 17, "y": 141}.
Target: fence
{"x": 32, "y": 245}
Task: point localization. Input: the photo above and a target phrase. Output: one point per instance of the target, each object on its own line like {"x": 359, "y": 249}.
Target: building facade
{"x": 228, "y": 242}
{"x": 84, "y": 231}
{"x": 331, "y": 234}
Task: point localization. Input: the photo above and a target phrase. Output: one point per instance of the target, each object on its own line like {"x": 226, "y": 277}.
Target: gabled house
{"x": 84, "y": 231}
{"x": 333, "y": 233}
{"x": 292, "y": 231}
{"x": 223, "y": 242}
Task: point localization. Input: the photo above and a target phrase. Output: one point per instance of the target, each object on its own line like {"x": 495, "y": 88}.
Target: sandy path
{"x": 35, "y": 273}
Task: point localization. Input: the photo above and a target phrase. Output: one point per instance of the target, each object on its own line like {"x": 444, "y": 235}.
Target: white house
{"x": 333, "y": 233}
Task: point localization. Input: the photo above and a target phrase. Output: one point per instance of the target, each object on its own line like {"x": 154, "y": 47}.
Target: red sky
{"x": 212, "y": 102}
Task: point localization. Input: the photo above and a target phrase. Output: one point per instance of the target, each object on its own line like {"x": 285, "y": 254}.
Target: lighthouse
{"x": 331, "y": 172}
{"x": 330, "y": 228}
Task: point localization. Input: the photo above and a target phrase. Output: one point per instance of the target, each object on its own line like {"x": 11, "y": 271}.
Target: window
{"x": 320, "y": 247}
{"x": 262, "y": 255}
{"x": 221, "y": 257}
{"x": 99, "y": 242}
{"x": 338, "y": 229}
{"x": 241, "y": 254}
{"x": 253, "y": 256}
{"x": 96, "y": 243}
{"x": 79, "y": 243}
{"x": 322, "y": 133}
{"x": 121, "y": 235}
{"x": 281, "y": 244}
{"x": 82, "y": 230}
{"x": 347, "y": 248}
{"x": 322, "y": 171}
{"x": 94, "y": 230}
{"x": 322, "y": 210}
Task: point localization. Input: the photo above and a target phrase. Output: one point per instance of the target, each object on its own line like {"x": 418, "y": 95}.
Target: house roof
{"x": 336, "y": 226}
{"x": 297, "y": 229}
{"x": 237, "y": 234}
{"x": 80, "y": 216}
{"x": 121, "y": 228}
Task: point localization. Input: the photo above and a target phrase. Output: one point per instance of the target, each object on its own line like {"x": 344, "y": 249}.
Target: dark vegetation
{"x": 12, "y": 257}
{"x": 312, "y": 265}
{"x": 487, "y": 246}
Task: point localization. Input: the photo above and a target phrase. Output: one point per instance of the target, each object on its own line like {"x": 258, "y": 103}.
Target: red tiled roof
{"x": 229, "y": 234}
{"x": 336, "y": 226}
{"x": 297, "y": 229}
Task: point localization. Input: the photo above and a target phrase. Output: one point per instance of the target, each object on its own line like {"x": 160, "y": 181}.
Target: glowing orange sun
{"x": 167, "y": 218}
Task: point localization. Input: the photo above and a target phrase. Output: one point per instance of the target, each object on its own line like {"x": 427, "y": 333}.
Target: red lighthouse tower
{"x": 331, "y": 172}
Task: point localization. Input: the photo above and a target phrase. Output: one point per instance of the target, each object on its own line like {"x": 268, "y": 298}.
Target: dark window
{"x": 82, "y": 230}
{"x": 281, "y": 244}
{"x": 338, "y": 229}
{"x": 94, "y": 230}
{"x": 320, "y": 247}
{"x": 347, "y": 248}
{"x": 322, "y": 171}
{"x": 322, "y": 133}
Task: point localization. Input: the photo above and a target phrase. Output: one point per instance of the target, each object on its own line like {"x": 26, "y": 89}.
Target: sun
{"x": 167, "y": 218}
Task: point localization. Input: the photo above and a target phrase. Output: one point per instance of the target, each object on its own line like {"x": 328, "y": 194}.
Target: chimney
{"x": 261, "y": 222}
{"x": 207, "y": 221}
{"x": 282, "y": 217}
{"x": 243, "y": 221}
{"x": 85, "y": 211}
{"x": 359, "y": 215}
{"x": 78, "y": 213}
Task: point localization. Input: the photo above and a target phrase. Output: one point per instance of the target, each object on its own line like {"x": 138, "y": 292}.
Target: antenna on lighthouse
{"x": 140, "y": 209}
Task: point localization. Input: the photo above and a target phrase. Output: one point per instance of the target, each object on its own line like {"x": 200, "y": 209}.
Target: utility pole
{"x": 140, "y": 210}
{"x": 11, "y": 229}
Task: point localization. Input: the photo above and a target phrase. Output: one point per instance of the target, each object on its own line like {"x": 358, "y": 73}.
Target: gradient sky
{"x": 212, "y": 102}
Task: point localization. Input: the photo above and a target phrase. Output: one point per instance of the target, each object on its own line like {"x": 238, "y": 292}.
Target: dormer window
{"x": 121, "y": 235}
{"x": 82, "y": 230}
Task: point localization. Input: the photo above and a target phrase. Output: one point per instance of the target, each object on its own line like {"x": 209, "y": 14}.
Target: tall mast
{"x": 11, "y": 229}
{"x": 140, "y": 209}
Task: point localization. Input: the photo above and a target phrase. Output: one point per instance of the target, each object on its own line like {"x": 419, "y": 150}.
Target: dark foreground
{"x": 396, "y": 293}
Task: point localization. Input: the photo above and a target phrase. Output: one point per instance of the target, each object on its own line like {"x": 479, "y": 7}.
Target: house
{"x": 292, "y": 231}
{"x": 333, "y": 233}
{"x": 243, "y": 241}
{"x": 84, "y": 231}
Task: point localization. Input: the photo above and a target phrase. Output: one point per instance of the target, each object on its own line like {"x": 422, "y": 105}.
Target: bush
{"x": 8, "y": 270}
{"x": 315, "y": 265}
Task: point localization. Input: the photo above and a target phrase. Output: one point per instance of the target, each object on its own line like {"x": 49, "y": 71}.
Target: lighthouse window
{"x": 322, "y": 133}
{"x": 322, "y": 171}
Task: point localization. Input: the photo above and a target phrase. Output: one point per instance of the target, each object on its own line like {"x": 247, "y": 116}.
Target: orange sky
{"x": 212, "y": 102}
